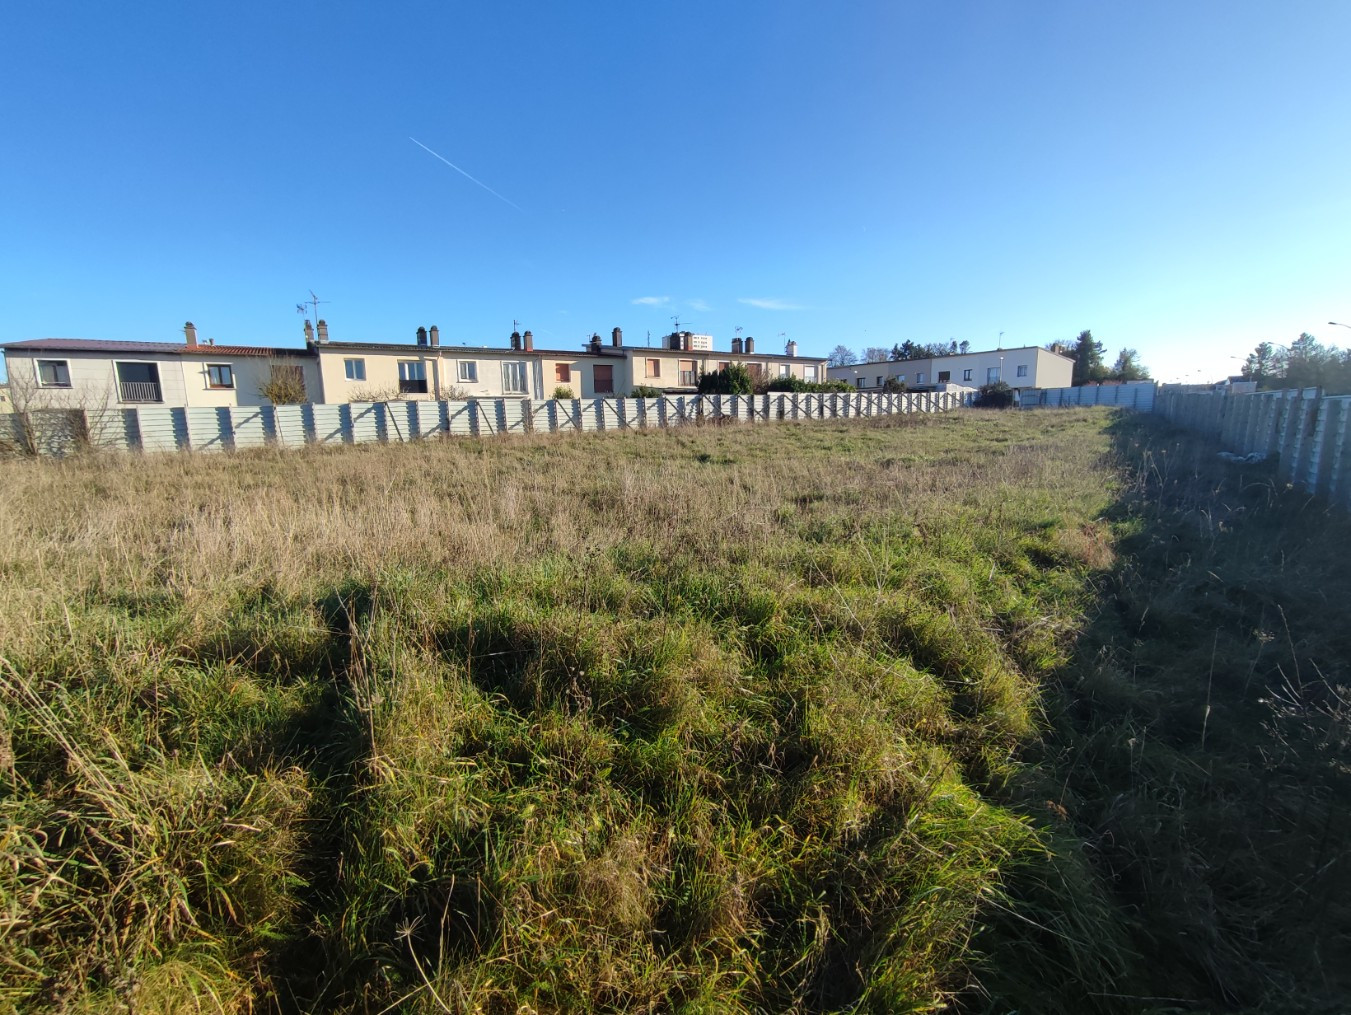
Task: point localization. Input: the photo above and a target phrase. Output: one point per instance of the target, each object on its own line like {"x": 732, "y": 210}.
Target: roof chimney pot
{"x": 516, "y": 340}
{"x": 309, "y": 332}
{"x": 528, "y": 342}
{"x": 323, "y": 331}
{"x": 616, "y": 338}
{"x": 190, "y": 333}
{"x": 435, "y": 334}
{"x": 750, "y": 345}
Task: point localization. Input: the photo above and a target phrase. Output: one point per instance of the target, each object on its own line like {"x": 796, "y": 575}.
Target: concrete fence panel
{"x": 295, "y": 424}
{"x": 365, "y": 423}
{"x": 252, "y": 426}
{"x": 58, "y": 432}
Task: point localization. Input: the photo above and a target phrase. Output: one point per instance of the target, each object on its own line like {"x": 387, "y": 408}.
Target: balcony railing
{"x": 140, "y": 391}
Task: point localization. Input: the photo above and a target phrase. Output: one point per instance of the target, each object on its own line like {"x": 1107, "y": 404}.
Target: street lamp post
{"x": 1339, "y": 324}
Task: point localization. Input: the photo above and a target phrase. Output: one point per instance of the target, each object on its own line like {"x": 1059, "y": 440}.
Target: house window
{"x": 514, "y": 378}
{"x": 654, "y": 368}
{"x": 469, "y": 371}
{"x": 53, "y": 373}
{"x": 219, "y": 375}
{"x": 966, "y": 375}
{"x": 919, "y": 377}
{"x": 1022, "y": 371}
{"x": 563, "y": 373}
{"x": 412, "y": 377}
{"x": 688, "y": 378}
{"x": 858, "y": 382}
{"x": 138, "y": 382}
{"x": 809, "y": 373}
{"x": 944, "y": 375}
{"x": 879, "y": 382}
{"x": 991, "y": 375}
{"x": 722, "y": 365}
{"x": 783, "y": 369}
{"x": 603, "y": 379}
{"x": 354, "y": 369}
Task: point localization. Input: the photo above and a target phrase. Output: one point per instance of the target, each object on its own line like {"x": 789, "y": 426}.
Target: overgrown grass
{"x": 718, "y": 720}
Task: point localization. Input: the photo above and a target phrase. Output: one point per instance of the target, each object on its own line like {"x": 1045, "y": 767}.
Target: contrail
{"x": 467, "y": 176}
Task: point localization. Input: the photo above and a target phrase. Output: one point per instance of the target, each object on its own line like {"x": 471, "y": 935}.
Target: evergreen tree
{"x": 1128, "y": 367}
{"x": 1261, "y": 364}
{"x": 1087, "y": 360}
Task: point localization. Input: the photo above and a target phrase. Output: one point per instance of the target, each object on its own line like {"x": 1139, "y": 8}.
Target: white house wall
{"x": 1044, "y": 368}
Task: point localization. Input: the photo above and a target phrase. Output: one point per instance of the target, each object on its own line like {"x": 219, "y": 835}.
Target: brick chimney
{"x": 516, "y": 340}
{"x": 309, "y": 332}
{"x": 435, "y": 334}
{"x": 595, "y": 343}
{"x": 190, "y": 333}
{"x": 528, "y": 342}
{"x": 323, "y": 332}
{"x": 421, "y": 335}
{"x": 686, "y": 341}
{"x": 792, "y": 348}
{"x": 616, "y": 338}
{"x": 736, "y": 346}
{"x": 750, "y": 345}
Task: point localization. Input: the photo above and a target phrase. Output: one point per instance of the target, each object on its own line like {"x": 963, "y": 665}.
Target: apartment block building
{"x": 81, "y": 373}
{"x": 1023, "y": 367}
{"x": 89, "y": 373}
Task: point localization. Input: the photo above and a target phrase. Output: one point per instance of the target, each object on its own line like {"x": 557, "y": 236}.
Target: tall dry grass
{"x": 697, "y": 720}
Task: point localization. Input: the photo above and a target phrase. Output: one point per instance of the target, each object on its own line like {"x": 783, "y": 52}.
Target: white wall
{"x": 1044, "y": 369}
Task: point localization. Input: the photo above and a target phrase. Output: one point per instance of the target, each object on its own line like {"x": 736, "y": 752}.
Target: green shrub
{"x": 733, "y": 379}
{"x": 645, "y": 391}
{"x": 797, "y": 384}
{"x": 563, "y": 391}
{"x": 995, "y": 396}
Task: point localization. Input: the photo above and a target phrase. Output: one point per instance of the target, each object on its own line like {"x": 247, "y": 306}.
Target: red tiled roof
{"x": 162, "y": 348}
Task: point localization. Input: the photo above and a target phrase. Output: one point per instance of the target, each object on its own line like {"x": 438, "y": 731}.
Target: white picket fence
{"x": 1307, "y": 433}
{"x": 56, "y": 432}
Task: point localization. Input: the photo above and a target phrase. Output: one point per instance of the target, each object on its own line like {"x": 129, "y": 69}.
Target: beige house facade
{"x": 1023, "y": 367}
{"x": 90, "y": 374}
{"x": 74, "y": 373}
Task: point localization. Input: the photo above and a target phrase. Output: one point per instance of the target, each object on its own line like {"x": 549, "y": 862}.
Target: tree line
{"x": 1086, "y": 351}
{"x": 1305, "y": 363}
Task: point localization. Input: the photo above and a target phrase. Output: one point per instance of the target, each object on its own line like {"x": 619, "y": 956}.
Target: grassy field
{"x": 999, "y": 712}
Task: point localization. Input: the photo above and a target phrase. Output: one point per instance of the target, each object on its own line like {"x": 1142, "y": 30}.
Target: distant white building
{"x": 688, "y": 340}
{"x": 1025, "y": 367}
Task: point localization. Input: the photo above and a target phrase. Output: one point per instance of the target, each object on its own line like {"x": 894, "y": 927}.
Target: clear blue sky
{"x": 1173, "y": 176}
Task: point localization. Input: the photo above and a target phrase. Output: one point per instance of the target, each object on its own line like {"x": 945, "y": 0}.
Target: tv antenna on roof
{"x": 738, "y": 331}
{"x": 313, "y": 301}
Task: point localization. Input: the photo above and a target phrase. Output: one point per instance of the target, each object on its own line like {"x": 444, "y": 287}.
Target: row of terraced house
{"x": 91, "y": 373}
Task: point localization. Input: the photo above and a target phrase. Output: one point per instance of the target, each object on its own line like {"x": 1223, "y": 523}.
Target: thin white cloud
{"x": 699, "y": 305}
{"x": 770, "y": 304}
{"x": 651, "y": 301}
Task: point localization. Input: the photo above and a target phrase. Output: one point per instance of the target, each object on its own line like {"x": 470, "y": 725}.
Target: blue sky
{"x": 1171, "y": 175}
